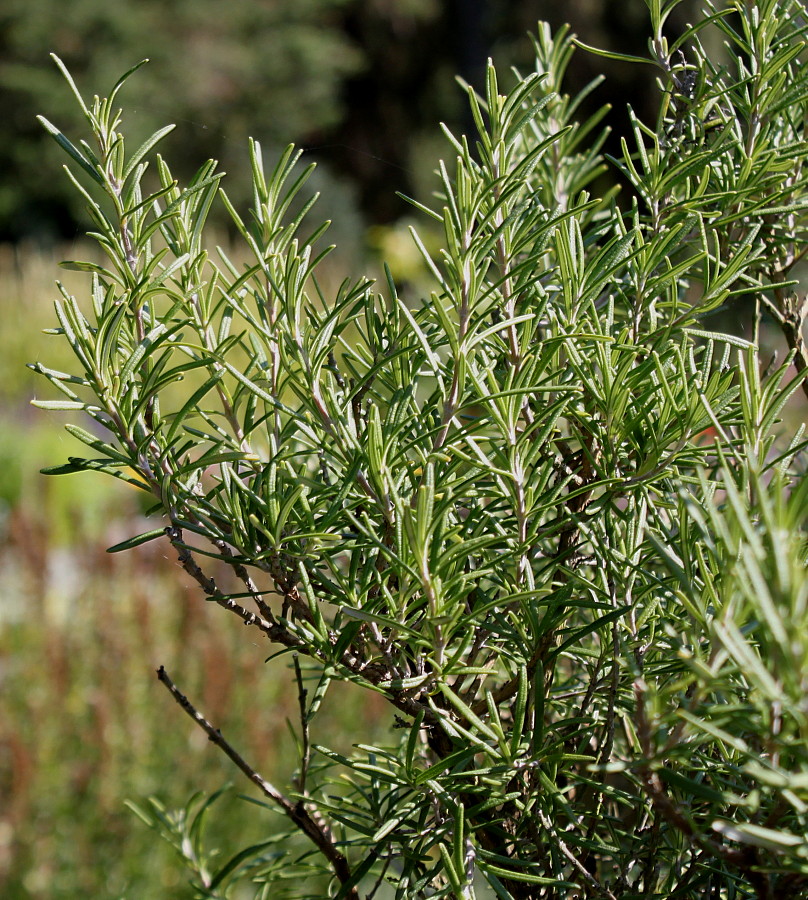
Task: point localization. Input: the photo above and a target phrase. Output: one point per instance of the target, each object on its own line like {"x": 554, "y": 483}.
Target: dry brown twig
{"x": 317, "y": 831}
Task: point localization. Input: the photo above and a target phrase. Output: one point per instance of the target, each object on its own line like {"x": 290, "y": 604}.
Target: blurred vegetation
{"x": 84, "y": 722}
{"x": 275, "y": 67}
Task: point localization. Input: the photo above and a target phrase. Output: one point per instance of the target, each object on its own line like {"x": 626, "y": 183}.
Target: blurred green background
{"x": 361, "y": 85}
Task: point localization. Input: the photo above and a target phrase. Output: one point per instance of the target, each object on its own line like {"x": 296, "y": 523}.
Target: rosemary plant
{"x": 544, "y": 511}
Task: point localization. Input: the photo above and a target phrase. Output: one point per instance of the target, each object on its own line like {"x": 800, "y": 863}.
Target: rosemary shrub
{"x": 543, "y": 510}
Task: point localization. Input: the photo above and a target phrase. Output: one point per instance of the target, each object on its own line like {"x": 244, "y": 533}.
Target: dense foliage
{"x": 543, "y": 511}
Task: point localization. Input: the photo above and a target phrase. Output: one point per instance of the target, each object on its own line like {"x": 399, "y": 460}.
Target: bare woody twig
{"x": 244, "y": 575}
{"x": 272, "y": 629}
{"x": 317, "y": 832}
{"x": 305, "y": 756}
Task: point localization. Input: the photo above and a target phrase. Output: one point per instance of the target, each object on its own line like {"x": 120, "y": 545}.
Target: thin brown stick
{"x": 305, "y": 755}
{"x": 273, "y": 630}
{"x": 244, "y": 575}
{"x": 317, "y": 832}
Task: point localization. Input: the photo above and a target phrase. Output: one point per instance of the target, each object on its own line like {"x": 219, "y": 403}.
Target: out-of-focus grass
{"x": 84, "y": 723}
